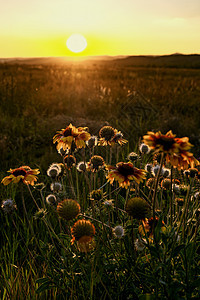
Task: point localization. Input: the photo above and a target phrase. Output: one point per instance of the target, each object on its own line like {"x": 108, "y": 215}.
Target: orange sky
{"x": 111, "y": 27}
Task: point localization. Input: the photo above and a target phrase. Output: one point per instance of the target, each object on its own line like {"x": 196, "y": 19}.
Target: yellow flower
{"x": 83, "y": 232}
{"x": 65, "y": 137}
{"x": 24, "y": 174}
{"x": 161, "y": 142}
{"x": 124, "y": 173}
{"x": 110, "y": 136}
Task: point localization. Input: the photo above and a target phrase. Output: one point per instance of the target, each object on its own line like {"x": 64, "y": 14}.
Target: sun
{"x": 76, "y": 43}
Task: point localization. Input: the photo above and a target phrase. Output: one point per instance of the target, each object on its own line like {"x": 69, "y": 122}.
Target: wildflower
{"x": 166, "y": 172}
{"x": 24, "y": 174}
{"x": 118, "y": 232}
{"x": 160, "y": 142}
{"x": 81, "y": 166}
{"x": 65, "y": 137}
{"x": 148, "y": 168}
{"x": 83, "y": 232}
{"x": 132, "y": 156}
{"x": 137, "y": 208}
{"x": 166, "y": 184}
{"x": 96, "y": 195}
{"x": 63, "y": 152}
{"x": 56, "y": 186}
{"x": 155, "y": 169}
{"x": 110, "y": 136}
{"x": 68, "y": 209}
{"x": 96, "y": 162}
{"x": 54, "y": 170}
{"x": 182, "y": 160}
{"x": 69, "y": 160}
{"x": 92, "y": 142}
{"x": 8, "y": 206}
{"x": 144, "y": 149}
{"x": 124, "y": 173}
{"x": 150, "y": 182}
{"x": 51, "y": 199}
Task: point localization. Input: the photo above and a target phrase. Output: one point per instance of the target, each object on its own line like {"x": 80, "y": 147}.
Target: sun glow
{"x": 76, "y": 43}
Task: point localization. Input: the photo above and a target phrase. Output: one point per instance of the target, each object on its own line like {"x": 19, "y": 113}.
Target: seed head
{"x": 68, "y": 209}
{"x": 118, "y": 231}
{"x": 8, "y": 206}
{"x": 51, "y": 199}
{"x": 137, "y": 208}
{"x": 133, "y": 156}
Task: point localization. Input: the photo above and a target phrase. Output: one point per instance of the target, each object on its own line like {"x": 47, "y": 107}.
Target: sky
{"x": 111, "y": 27}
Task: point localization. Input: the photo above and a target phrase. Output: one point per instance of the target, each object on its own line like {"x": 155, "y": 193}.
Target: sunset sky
{"x": 111, "y": 27}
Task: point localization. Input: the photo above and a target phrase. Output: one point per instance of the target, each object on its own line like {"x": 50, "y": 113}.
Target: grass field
{"x": 141, "y": 249}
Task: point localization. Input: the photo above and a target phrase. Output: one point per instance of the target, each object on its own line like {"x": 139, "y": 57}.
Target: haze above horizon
{"x": 113, "y": 28}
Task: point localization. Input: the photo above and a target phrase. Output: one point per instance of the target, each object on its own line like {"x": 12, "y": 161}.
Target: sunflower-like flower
{"x": 161, "y": 142}
{"x": 24, "y": 174}
{"x": 124, "y": 173}
{"x": 83, "y": 232}
{"x": 175, "y": 148}
{"x": 110, "y": 136}
{"x": 65, "y": 137}
{"x": 96, "y": 162}
{"x": 68, "y": 209}
{"x": 182, "y": 160}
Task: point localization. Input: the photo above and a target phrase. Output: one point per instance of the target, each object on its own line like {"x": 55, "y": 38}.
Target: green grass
{"x": 37, "y": 259}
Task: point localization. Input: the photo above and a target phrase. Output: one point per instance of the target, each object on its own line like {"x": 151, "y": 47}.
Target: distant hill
{"x": 170, "y": 61}
{"x": 167, "y": 61}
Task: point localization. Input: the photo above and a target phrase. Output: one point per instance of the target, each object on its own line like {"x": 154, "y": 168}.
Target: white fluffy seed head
{"x": 118, "y": 231}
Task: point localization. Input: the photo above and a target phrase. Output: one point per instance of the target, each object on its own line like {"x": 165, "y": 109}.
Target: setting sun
{"x": 76, "y": 43}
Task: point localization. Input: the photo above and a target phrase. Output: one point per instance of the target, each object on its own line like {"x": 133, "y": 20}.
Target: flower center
{"x": 67, "y": 132}
{"x": 19, "y": 172}
{"x": 165, "y": 142}
{"x": 125, "y": 169}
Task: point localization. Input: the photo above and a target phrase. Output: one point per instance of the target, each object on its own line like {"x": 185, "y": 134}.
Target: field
{"x": 38, "y": 260}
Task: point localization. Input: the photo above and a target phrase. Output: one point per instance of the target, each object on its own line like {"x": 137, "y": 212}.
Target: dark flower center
{"x": 67, "y": 132}
{"x": 166, "y": 142}
{"x": 19, "y": 172}
{"x": 125, "y": 169}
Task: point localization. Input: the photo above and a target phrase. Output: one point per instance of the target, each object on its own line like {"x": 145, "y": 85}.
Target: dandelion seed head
{"x": 144, "y": 149}
{"x": 8, "y": 206}
{"x": 148, "y": 168}
{"x": 51, "y": 199}
{"x": 92, "y": 142}
{"x": 133, "y": 156}
{"x": 118, "y": 232}
{"x": 56, "y": 186}
{"x": 82, "y": 166}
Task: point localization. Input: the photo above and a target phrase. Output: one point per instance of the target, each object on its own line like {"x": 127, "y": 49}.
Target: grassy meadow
{"x": 140, "y": 239}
